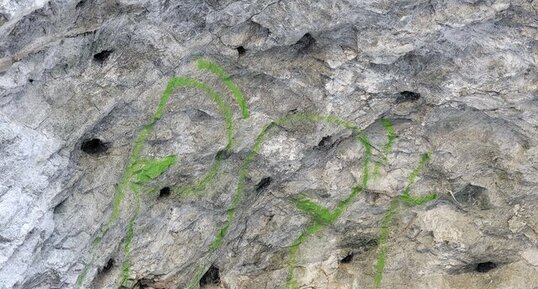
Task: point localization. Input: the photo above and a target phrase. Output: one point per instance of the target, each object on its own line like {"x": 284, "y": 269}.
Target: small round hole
{"x": 241, "y": 50}
{"x": 164, "y": 192}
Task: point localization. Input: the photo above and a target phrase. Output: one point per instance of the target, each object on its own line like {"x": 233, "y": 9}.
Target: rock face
{"x": 258, "y": 144}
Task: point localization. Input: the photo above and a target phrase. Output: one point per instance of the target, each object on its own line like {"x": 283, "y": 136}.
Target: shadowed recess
{"x": 485, "y": 267}
{"x": 347, "y": 259}
{"x": 164, "y": 192}
{"x": 211, "y": 277}
{"x": 241, "y": 50}
{"x": 325, "y": 143}
{"x": 102, "y": 56}
{"x": 108, "y": 265}
{"x": 93, "y": 146}
{"x": 305, "y": 43}
{"x": 406, "y": 96}
{"x": 264, "y": 183}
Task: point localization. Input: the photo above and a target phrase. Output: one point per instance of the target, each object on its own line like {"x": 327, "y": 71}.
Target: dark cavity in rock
{"x": 347, "y": 259}
{"x": 94, "y": 146}
{"x": 223, "y": 154}
{"x": 211, "y": 277}
{"x": 241, "y": 50}
{"x": 164, "y": 192}
{"x": 264, "y": 183}
{"x": 109, "y": 264}
{"x": 406, "y": 96}
{"x": 102, "y": 56}
{"x": 473, "y": 196}
{"x": 485, "y": 267}
{"x": 305, "y": 43}
{"x": 325, "y": 143}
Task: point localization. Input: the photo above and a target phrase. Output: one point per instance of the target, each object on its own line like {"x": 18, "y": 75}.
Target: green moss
{"x": 383, "y": 241}
{"x": 126, "y": 264}
{"x": 139, "y": 172}
{"x": 142, "y": 171}
{"x": 387, "y": 147}
{"x": 198, "y": 273}
{"x": 82, "y": 276}
{"x": 391, "y": 213}
{"x": 201, "y": 184}
{"x": 391, "y": 136}
{"x": 234, "y": 89}
{"x": 319, "y": 213}
{"x": 323, "y": 215}
{"x": 147, "y": 170}
{"x": 245, "y": 168}
{"x": 224, "y": 108}
{"x": 417, "y": 201}
{"x": 293, "y": 252}
{"x": 424, "y": 158}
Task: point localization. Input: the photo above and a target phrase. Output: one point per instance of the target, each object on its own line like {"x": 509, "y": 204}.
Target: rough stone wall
{"x": 453, "y": 78}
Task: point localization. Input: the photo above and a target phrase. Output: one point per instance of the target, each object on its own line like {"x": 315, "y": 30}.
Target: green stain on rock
{"x": 147, "y": 170}
{"x": 391, "y": 212}
{"x": 234, "y": 89}
{"x": 139, "y": 171}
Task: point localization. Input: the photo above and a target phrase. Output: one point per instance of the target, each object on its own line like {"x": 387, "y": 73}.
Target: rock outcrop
{"x": 268, "y": 144}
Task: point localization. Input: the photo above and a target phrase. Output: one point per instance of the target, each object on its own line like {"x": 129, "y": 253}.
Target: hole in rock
{"x": 211, "y": 277}
{"x": 264, "y": 183}
{"x": 109, "y": 264}
{"x": 102, "y": 56}
{"x": 305, "y": 43}
{"x": 80, "y": 4}
{"x": 485, "y": 267}
{"x": 325, "y": 142}
{"x": 472, "y": 195}
{"x": 30, "y": 80}
{"x": 405, "y": 96}
{"x": 146, "y": 283}
{"x": 197, "y": 114}
{"x": 60, "y": 208}
{"x": 241, "y": 50}
{"x": 164, "y": 192}
{"x": 94, "y": 146}
{"x": 223, "y": 154}
{"x": 347, "y": 259}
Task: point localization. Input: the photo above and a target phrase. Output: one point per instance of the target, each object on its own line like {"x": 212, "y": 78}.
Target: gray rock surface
{"x": 456, "y": 78}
